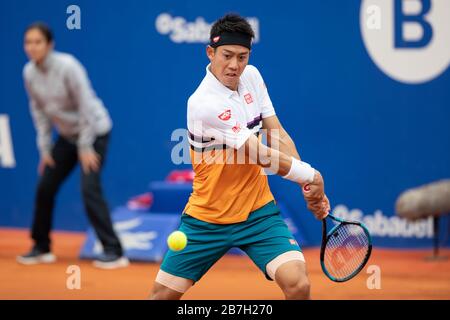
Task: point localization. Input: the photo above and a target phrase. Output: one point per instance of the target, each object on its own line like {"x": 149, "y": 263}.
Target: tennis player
{"x": 61, "y": 97}
{"x": 231, "y": 204}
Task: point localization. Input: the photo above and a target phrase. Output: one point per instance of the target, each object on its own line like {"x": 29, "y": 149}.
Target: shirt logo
{"x": 293, "y": 242}
{"x": 236, "y": 128}
{"x": 248, "y": 98}
{"x": 226, "y": 115}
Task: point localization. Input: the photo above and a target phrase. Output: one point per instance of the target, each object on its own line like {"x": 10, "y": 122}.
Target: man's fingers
{"x": 319, "y": 208}
{"x": 323, "y": 215}
{"x": 327, "y": 206}
{"x": 316, "y": 197}
{"x": 317, "y": 201}
{"x": 314, "y": 207}
{"x": 326, "y": 203}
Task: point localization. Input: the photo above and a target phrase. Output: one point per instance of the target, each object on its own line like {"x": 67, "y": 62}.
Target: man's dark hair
{"x": 232, "y": 23}
{"x": 43, "y": 28}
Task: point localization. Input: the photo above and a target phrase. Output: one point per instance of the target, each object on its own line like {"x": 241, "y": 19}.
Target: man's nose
{"x": 233, "y": 64}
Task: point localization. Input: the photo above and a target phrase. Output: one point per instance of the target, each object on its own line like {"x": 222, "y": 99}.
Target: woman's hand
{"x": 46, "y": 161}
{"x": 90, "y": 161}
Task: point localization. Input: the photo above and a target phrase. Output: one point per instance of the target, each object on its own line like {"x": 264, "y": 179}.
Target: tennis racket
{"x": 345, "y": 249}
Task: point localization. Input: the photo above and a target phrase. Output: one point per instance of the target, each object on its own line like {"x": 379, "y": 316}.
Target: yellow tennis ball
{"x": 177, "y": 241}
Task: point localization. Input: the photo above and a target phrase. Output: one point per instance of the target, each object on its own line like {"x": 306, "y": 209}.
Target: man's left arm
{"x": 279, "y": 139}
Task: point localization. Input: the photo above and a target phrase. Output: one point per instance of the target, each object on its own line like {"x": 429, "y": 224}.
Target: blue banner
{"x": 361, "y": 86}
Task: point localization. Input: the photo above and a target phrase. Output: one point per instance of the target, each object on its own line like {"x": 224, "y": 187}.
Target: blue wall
{"x": 370, "y": 135}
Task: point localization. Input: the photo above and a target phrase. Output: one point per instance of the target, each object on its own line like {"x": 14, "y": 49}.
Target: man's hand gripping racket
{"x": 346, "y": 248}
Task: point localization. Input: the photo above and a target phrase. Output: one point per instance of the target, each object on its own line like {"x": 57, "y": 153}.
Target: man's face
{"x": 36, "y": 45}
{"x": 227, "y": 63}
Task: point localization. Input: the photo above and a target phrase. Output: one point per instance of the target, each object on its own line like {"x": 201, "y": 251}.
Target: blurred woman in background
{"x": 61, "y": 97}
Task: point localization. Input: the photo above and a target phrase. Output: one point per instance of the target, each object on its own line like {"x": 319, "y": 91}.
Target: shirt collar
{"x": 212, "y": 80}
{"x": 47, "y": 63}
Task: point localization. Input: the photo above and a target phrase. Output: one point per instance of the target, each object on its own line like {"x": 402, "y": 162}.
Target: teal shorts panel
{"x": 206, "y": 244}
{"x": 263, "y": 236}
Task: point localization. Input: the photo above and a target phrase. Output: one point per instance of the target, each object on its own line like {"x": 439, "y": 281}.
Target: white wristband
{"x": 300, "y": 172}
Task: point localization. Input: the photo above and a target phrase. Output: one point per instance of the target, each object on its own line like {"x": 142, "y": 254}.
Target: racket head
{"x": 345, "y": 250}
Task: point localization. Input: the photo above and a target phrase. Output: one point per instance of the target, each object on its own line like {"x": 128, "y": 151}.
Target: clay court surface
{"x": 404, "y": 275}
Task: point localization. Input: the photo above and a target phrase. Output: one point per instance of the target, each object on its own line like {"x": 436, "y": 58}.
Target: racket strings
{"x": 347, "y": 254}
{"x": 346, "y": 250}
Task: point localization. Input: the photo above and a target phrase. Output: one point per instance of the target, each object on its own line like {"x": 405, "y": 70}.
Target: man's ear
{"x": 210, "y": 52}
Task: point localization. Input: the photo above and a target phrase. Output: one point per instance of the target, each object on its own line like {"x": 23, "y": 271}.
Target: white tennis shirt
{"x": 220, "y": 116}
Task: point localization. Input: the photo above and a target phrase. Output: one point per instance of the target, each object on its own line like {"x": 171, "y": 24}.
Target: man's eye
{"x": 227, "y": 56}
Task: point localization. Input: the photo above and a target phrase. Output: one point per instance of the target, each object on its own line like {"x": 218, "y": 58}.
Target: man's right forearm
{"x": 291, "y": 168}
{"x": 284, "y": 143}
{"x": 282, "y": 164}
{"x": 271, "y": 158}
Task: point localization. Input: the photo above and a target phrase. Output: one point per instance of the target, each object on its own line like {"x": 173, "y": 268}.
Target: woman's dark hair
{"x": 43, "y": 28}
{"x": 231, "y": 22}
